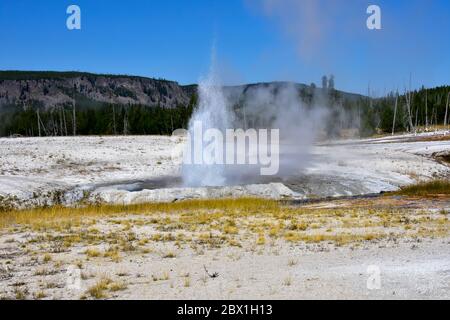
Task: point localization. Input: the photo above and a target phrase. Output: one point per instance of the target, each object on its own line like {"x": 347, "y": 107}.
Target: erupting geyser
{"x": 212, "y": 112}
{"x": 262, "y": 107}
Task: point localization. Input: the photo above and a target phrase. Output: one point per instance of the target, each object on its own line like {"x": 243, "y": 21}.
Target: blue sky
{"x": 256, "y": 40}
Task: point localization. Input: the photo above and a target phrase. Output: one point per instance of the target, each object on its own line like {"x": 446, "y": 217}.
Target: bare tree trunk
{"x": 42, "y": 124}
{"x": 61, "y": 133}
{"x": 417, "y": 118}
{"x": 435, "y": 119}
{"x": 408, "y": 107}
{"x": 125, "y": 124}
{"x": 446, "y": 111}
{"x": 54, "y": 124}
{"x": 431, "y": 121}
{"x": 114, "y": 120}
{"x": 64, "y": 121}
{"x": 408, "y": 104}
{"x": 395, "y": 114}
{"x": 39, "y": 122}
{"x": 74, "y": 119}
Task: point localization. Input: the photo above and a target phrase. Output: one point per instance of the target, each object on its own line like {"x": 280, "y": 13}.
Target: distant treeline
{"x": 103, "y": 119}
{"x": 425, "y": 107}
{"x": 52, "y": 75}
{"x": 419, "y": 108}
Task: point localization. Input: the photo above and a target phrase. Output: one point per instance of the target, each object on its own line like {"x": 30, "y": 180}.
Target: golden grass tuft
{"x": 117, "y": 286}
{"x": 423, "y": 189}
{"x": 47, "y": 258}
{"x": 92, "y": 253}
{"x": 97, "y": 291}
{"x": 64, "y": 217}
{"x": 210, "y": 224}
{"x": 261, "y": 240}
{"x": 113, "y": 254}
{"x": 287, "y": 281}
{"x": 39, "y": 295}
{"x": 169, "y": 254}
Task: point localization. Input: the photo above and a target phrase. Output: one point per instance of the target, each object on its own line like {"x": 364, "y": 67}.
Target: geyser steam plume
{"x": 261, "y": 106}
{"x": 212, "y": 112}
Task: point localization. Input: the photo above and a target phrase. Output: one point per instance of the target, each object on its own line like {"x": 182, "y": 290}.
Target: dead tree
{"x": 39, "y": 122}
{"x": 446, "y": 110}
{"x": 408, "y": 108}
{"x": 125, "y": 124}
{"x": 61, "y": 123}
{"x": 64, "y": 121}
{"x": 54, "y": 124}
{"x": 408, "y": 105}
{"x": 417, "y": 118}
{"x": 114, "y": 119}
{"x": 395, "y": 113}
{"x": 74, "y": 119}
{"x": 435, "y": 111}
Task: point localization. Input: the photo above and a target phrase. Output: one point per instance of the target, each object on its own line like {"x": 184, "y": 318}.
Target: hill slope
{"x": 47, "y": 89}
{"x": 50, "y": 89}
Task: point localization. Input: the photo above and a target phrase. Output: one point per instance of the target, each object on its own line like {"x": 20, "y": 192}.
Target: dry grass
{"x": 114, "y": 238}
{"x": 287, "y": 281}
{"x": 169, "y": 254}
{"x": 292, "y": 262}
{"x": 39, "y": 295}
{"x": 430, "y": 188}
{"x": 187, "y": 282}
{"x": 20, "y": 293}
{"x": 209, "y": 224}
{"x": 164, "y": 277}
{"x": 66, "y": 218}
{"x": 118, "y": 234}
{"x": 97, "y": 291}
{"x": 47, "y": 258}
{"x": 92, "y": 253}
{"x": 113, "y": 254}
{"x": 117, "y": 286}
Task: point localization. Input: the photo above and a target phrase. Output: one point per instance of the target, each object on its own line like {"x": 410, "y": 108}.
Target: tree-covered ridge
{"x": 48, "y": 90}
{"x": 85, "y": 104}
{"x": 18, "y": 75}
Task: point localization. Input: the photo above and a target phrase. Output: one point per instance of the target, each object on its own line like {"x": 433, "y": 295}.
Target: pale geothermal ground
{"x": 221, "y": 249}
{"x": 114, "y": 169}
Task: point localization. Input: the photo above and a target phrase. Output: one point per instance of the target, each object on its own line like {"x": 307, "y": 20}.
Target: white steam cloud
{"x": 262, "y": 106}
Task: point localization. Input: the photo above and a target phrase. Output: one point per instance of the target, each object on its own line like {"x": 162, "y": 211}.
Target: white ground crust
{"x": 270, "y": 191}
{"x": 31, "y": 168}
{"x": 408, "y": 270}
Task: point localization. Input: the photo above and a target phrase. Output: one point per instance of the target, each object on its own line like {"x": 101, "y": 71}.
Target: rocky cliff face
{"x": 54, "y": 89}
